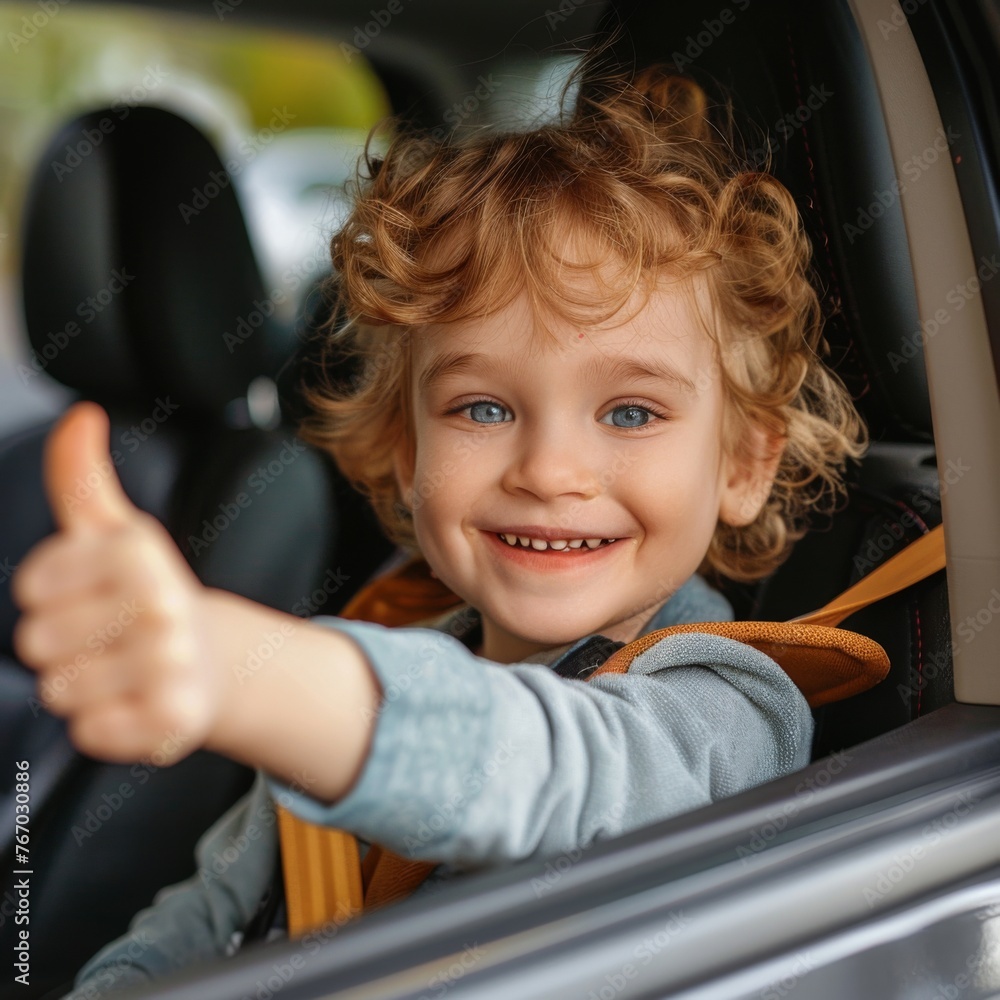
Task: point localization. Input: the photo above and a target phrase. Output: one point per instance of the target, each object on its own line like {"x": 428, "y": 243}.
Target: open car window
{"x": 874, "y": 871}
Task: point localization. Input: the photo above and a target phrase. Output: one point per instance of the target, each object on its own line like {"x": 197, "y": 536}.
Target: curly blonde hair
{"x": 449, "y": 230}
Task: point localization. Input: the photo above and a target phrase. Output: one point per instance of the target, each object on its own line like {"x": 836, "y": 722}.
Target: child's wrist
{"x": 289, "y": 692}
{"x": 231, "y": 625}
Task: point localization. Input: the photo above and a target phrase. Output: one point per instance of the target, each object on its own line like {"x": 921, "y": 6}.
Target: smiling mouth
{"x": 556, "y": 545}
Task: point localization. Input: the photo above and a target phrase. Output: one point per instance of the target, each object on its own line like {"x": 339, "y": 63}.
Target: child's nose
{"x": 552, "y": 461}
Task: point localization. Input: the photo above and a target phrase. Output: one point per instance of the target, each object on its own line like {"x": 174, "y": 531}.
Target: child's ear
{"x": 749, "y": 475}
{"x": 403, "y": 462}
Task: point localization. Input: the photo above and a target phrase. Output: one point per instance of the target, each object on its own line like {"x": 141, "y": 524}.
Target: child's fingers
{"x": 74, "y": 690}
{"x": 75, "y": 632}
{"x": 82, "y": 486}
{"x": 115, "y": 731}
{"x": 163, "y": 723}
{"x": 140, "y": 561}
{"x": 59, "y": 568}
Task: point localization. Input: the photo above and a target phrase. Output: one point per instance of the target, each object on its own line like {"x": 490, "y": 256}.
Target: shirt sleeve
{"x": 475, "y": 763}
{"x": 201, "y": 918}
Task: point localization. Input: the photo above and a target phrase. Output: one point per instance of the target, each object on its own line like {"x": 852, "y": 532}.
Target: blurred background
{"x": 239, "y": 85}
{"x": 289, "y": 114}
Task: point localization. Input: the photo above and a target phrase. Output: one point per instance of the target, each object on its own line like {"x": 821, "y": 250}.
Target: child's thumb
{"x": 80, "y": 479}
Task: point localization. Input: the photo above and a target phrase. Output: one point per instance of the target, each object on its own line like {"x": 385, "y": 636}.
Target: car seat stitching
{"x": 816, "y": 205}
{"x": 917, "y": 519}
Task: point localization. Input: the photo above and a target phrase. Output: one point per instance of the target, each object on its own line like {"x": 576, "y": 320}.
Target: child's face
{"x": 518, "y": 434}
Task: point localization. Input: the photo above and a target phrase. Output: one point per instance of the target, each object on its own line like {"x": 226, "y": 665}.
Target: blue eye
{"x": 628, "y": 416}
{"x": 486, "y": 412}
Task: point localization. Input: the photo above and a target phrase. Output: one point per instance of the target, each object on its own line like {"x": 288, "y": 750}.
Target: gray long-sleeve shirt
{"x": 474, "y": 764}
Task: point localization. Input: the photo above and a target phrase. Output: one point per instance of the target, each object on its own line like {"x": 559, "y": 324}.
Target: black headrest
{"x": 139, "y": 276}
{"x": 804, "y": 95}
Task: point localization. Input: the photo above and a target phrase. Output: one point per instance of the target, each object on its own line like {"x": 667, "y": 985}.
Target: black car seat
{"x": 128, "y": 300}
{"x": 806, "y": 102}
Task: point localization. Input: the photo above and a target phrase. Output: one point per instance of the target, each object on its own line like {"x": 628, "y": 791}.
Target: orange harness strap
{"x": 321, "y": 871}
{"x": 323, "y": 879}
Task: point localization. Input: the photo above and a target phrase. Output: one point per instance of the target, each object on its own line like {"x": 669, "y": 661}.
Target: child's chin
{"x": 550, "y": 634}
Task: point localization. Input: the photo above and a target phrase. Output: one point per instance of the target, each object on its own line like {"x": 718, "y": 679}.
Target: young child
{"x": 586, "y": 370}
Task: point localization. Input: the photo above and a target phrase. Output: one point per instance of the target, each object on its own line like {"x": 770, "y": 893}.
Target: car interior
{"x": 813, "y": 100}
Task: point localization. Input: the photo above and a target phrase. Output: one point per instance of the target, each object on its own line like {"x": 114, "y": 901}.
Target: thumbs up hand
{"x": 147, "y": 663}
{"x": 115, "y": 621}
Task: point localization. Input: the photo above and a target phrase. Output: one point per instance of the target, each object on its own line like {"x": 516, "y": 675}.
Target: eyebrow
{"x": 456, "y": 363}
{"x": 613, "y": 368}
{"x": 607, "y": 368}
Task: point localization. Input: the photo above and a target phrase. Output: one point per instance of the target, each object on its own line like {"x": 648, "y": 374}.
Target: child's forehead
{"x": 665, "y": 324}
{"x": 675, "y": 306}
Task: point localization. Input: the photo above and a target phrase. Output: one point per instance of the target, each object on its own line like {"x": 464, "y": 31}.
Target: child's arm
{"x": 176, "y": 676}
{"x": 476, "y": 764}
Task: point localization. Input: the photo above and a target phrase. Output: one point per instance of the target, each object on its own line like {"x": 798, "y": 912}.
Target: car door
{"x": 875, "y": 872}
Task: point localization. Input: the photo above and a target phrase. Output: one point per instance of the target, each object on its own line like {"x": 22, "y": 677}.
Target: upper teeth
{"x": 557, "y": 543}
